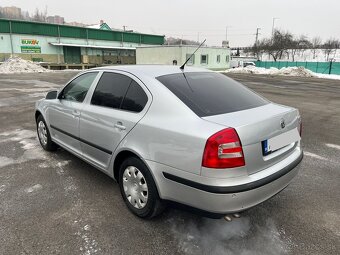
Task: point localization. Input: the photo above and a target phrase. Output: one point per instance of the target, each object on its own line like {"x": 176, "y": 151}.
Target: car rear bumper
{"x": 224, "y": 199}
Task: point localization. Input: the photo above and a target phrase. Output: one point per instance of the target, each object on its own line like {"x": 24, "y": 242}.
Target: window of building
{"x": 227, "y": 59}
{"x": 218, "y": 59}
{"x": 77, "y": 89}
{"x": 204, "y": 59}
{"x": 111, "y": 89}
{"x": 135, "y": 98}
{"x": 191, "y": 61}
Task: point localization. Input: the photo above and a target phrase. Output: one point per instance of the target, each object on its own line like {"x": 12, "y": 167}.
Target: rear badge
{"x": 282, "y": 123}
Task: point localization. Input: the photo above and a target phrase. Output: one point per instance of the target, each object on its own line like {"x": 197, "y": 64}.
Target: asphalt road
{"x": 53, "y": 203}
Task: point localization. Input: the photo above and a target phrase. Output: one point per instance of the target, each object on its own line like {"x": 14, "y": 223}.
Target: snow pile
{"x": 19, "y": 65}
{"x": 285, "y": 71}
{"x": 293, "y": 71}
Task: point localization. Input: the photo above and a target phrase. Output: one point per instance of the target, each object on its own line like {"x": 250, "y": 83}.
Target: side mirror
{"x": 52, "y": 94}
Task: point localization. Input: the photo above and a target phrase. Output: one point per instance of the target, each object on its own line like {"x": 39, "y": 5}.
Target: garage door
{"x": 72, "y": 55}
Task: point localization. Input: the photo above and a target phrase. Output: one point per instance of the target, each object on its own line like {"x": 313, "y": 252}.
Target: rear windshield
{"x": 209, "y": 94}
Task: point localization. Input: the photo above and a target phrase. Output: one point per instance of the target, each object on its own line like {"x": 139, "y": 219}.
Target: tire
{"x": 44, "y": 135}
{"x": 137, "y": 185}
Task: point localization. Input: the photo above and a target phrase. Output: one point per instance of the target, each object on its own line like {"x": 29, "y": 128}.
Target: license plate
{"x": 280, "y": 141}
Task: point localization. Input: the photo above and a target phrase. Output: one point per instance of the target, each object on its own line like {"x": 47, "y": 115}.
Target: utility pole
{"x": 124, "y": 28}
{"x": 273, "y": 26}
{"x": 257, "y": 36}
{"x": 256, "y": 42}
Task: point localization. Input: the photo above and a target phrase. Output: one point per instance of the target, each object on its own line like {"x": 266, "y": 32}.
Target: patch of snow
{"x": 333, "y": 146}
{"x": 313, "y": 155}
{"x": 18, "y": 134}
{"x": 28, "y": 142}
{"x": 90, "y": 246}
{"x": 2, "y": 188}
{"x": 19, "y": 65}
{"x": 4, "y": 161}
{"x": 33, "y": 188}
{"x": 285, "y": 71}
{"x": 87, "y": 227}
{"x": 60, "y": 170}
{"x": 63, "y": 163}
{"x": 330, "y": 219}
{"x": 43, "y": 165}
{"x": 69, "y": 185}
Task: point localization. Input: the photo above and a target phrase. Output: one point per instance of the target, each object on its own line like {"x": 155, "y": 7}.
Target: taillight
{"x": 223, "y": 150}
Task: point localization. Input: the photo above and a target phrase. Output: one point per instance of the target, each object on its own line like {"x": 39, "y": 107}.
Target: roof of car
{"x": 152, "y": 70}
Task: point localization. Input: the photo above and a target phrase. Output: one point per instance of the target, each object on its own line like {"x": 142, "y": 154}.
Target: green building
{"x": 61, "y": 44}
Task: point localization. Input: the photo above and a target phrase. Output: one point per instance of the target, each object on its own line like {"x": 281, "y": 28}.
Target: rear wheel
{"x": 44, "y": 135}
{"x": 138, "y": 189}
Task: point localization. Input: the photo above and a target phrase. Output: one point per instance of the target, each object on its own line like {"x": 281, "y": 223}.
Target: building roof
{"x": 56, "y": 30}
{"x": 92, "y": 46}
{"x": 102, "y": 26}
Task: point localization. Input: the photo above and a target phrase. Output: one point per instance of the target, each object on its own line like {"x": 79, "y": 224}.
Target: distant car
{"x": 195, "y": 137}
{"x": 245, "y": 64}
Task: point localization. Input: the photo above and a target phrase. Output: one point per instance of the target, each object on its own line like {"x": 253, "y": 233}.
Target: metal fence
{"x": 317, "y": 67}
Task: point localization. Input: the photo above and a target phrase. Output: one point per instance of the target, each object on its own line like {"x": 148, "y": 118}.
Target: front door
{"x": 117, "y": 104}
{"x": 64, "y": 112}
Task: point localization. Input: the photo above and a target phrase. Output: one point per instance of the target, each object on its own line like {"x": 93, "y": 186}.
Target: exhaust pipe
{"x": 230, "y": 217}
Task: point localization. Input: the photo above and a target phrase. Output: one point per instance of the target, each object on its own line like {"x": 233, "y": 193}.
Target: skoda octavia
{"x": 192, "y": 136}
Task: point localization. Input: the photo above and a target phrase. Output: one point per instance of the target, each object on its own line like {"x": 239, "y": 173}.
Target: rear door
{"x": 118, "y": 102}
{"x": 64, "y": 112}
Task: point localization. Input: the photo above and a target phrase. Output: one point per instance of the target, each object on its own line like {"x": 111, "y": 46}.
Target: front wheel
{"x": 44, "y": 135}
{"x": 138, "y": 189}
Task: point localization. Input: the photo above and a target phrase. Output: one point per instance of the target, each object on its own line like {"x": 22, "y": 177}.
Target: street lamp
{"x": 273, "y": 26}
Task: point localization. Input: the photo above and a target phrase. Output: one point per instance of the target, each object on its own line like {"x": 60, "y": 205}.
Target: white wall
{"x": 164, "y": 55}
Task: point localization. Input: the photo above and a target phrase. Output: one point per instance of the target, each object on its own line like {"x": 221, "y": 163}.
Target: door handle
{"x": 120, "y": 125}
{"x": 76, "y": 113}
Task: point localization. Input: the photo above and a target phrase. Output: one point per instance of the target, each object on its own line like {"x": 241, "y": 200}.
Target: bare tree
{"x": 39, "y": 16}
{"x": 279, "y": 44}
{"x": 329, "y": 47}
{"x": 304, "y": 44}
{"x": 316, "y": 44}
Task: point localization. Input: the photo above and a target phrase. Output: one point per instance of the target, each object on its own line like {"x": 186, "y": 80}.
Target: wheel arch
{"x": 119, "y": 159}
{"x": 37, "y": 114}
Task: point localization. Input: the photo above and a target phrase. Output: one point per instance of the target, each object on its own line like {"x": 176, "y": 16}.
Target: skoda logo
{"x": 282, "y": 123}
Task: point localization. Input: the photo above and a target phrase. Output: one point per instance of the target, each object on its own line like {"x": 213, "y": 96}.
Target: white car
{"x": 191, "y": 136}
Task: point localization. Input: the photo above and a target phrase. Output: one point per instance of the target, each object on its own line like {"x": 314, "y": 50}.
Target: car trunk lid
{"x": 261, "y": 125}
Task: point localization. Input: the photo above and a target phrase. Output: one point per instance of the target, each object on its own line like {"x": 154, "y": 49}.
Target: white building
{"x": 216, "y": 58}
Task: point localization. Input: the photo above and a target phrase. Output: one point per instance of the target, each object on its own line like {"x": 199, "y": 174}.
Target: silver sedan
{"x": 194, "y": 137}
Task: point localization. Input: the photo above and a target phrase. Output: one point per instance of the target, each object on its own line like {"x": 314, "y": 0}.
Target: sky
{"x": 199, "y": 20}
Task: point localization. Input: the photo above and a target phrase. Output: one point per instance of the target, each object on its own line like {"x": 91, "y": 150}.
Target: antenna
{"x": 182, "y": 66}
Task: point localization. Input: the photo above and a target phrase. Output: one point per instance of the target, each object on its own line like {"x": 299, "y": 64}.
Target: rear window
{"x": 209, "y": 94}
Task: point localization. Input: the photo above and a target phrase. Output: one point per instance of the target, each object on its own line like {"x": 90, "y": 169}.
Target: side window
{"x": 191, "y": 61}
{"x": 135, "y": 99}
{"x": 111, "y": 89}
{"x": 218, "y": 59}
{"x": 204, "y": 59}
{"x": 77, "y": 89}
